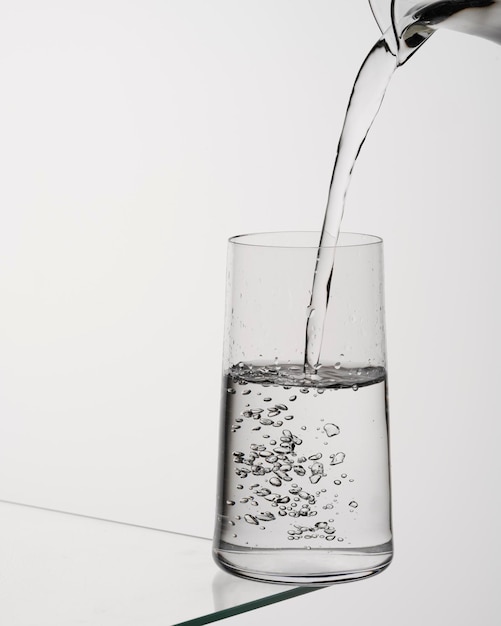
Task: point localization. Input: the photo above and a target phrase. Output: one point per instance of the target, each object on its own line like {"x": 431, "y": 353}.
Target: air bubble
{"x": 283, "y": 500}
{"x": 331, "y": 430}
{"x": 266, "y": 516}
{"x": 282, "y": 475}
{"x": 337, "y": 458}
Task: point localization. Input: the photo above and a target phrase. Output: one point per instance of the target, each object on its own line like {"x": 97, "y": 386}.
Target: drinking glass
{"x": 304, "y": 476}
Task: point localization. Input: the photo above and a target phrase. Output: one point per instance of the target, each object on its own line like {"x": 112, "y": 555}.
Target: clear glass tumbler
{"x": 304, "y": 477}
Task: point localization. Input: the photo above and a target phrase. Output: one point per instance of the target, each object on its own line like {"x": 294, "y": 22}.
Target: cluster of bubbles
{"x": 279, "y": 463}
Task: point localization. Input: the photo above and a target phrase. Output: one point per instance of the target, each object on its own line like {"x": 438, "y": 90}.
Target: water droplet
{"x": 267, "y": 399}
{"x": 266, "y": 421}
{"x": 240, "y": 486}
{"x": 292, "y": 398}
{"x": 230, "y": 502}
{"x": 331, "y": 430}
{"x": 340, "y": 539}
{"x": 355, "y": 387}
{"x": 275, "y": 481}
{"x": 304, "y": 390}
{"x": 314, "y": 478}
{"x": 250, "y": 519}
{"x": 231, "y": 391}
{"x": 315, "y": 457}
{"x": 256, "y": 411}
{"x": 337, "y": 365}
{"x": 273, "y": 412}
{"x": 344, "y": 475}
{"x": 281, "y": 407}
{"x": 299, "y": 469}
{"x": 337, "y": 482}
{"x": 246, "y": 392}
{"x": 303, "y": 427}
{"x": 353, "y": 504}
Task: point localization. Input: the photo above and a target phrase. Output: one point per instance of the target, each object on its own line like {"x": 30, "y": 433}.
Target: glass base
{"x": 315, "y": 567}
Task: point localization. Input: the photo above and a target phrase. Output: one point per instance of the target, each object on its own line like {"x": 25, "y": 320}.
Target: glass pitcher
{"x": 406, "y": 24}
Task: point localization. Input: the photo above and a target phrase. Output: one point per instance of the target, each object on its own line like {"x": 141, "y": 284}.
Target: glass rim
{"x": 254, "y": 240}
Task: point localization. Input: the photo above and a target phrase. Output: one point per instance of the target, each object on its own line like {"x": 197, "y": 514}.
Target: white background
{"x": 135, "y": 139}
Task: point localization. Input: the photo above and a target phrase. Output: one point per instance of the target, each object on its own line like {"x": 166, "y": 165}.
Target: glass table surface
{"x": 64, "y": 569}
